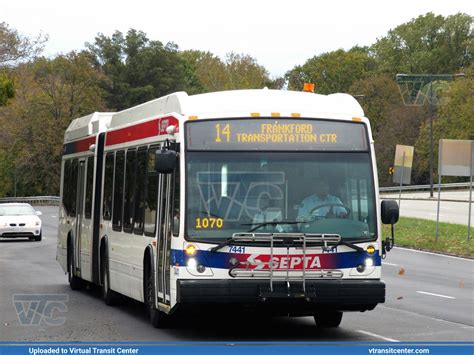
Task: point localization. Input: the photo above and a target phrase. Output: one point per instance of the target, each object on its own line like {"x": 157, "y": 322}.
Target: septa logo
{"x": 279, "y": 262}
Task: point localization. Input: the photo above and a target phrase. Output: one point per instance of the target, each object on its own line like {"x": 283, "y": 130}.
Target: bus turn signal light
{"x": 370, "y": 250}
{"x": 190, "y": 250}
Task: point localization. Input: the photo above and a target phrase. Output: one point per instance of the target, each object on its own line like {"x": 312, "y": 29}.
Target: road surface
{"x": 425, "y": 208}
{"x": 429, "y": 298}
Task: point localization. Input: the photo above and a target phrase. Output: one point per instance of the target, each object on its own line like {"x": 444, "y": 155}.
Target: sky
{"x": 279, "y": 34}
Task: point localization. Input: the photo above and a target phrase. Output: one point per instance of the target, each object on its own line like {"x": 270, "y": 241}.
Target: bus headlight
{"x": 369, "y": 262}
{"x": 191, "y": 263}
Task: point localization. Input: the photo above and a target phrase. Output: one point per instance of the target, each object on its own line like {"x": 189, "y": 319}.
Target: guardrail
{"x": 54, "y": 200}
{"x": 455, "y": 185}
{"x": 33, "y": 200}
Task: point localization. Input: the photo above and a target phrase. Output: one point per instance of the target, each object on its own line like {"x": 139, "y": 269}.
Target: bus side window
{"x": 89, "y": 183}
{"x": 129, "y": 191}
{"x": 175, "y": 209}
{"x": 108, "y": 187}
{"x": 67, "y": 186}
{"x": 118, "y": 191}
{"x": 151, "y": 194}
{"x": 140, "y": 190}
{"x": 73, "y": 188}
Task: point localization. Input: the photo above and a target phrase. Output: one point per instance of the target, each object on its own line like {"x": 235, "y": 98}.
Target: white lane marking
{"x": 53, "y": 216}
{"x": 389, "y": 264}
{"x": 378, "y": 336}
{"x": 423, "y": 316}
{"x": 435, "y": 294}
{"x": 437, "y": 254}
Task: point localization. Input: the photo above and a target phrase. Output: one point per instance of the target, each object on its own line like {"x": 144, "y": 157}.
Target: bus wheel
{"x": 110, "y": 297}
{"x": 328, "y": 319}
{"x": 75, "y": 282}
{"x": 157, "y": 318}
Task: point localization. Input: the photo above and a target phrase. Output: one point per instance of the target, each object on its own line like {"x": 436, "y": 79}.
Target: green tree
{"x": 392, "y": 122}
{"x": 427, "y": 44}
{"x": 245, "y": 73}
{"x": 50, "y": 93}
{"x": 333, "y": 71}
{"x": 136, "y": 68}
{"x": 453, "y": 120}
{"x": 207, "y": 72}
{"x": 14, "y": 48}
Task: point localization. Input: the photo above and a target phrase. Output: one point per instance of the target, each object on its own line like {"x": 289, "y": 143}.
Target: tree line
{"x": 40, "y": 96}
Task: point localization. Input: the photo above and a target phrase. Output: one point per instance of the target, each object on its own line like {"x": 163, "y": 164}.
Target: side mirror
{"x": 38, "y": 213}
{"x": 165, "y": 161}
{"x": 390, "y": 212}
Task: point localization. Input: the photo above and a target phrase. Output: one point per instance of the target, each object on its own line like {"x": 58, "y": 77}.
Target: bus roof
{"x": 85, "y": 126}
{"x": 233, "y": 103}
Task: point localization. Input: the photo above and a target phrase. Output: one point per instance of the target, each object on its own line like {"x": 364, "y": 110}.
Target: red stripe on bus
{"x": 84, "y": 144}
{"x": 140, "y": 131}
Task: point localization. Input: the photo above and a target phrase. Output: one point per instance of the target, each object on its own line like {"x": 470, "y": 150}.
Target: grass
{"x": 421, "y": 234}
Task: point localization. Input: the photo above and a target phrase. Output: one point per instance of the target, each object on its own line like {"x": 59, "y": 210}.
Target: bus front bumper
{"x": 288, "y": 297}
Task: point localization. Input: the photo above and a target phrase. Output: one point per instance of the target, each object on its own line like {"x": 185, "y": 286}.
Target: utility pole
{"x": 430, "y": 106}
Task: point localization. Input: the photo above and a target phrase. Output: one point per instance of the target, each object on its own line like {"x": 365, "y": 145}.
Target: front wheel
{"x": 328, "y": 319}
{"x": 38, "y": 237}
{"x": 158, "y": 319}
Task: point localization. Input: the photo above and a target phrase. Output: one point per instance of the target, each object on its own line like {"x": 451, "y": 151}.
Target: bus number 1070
{"x": 211, "y": 222}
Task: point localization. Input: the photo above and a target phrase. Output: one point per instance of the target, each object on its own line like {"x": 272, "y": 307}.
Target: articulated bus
{"x": 261, "y": 199}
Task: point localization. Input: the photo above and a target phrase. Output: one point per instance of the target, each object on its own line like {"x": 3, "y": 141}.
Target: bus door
{"x": 79, "y": 214}
{"x": 163, "y": 238}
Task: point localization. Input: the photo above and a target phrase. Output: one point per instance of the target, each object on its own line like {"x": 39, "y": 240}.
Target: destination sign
{"x": 275, "y": 134}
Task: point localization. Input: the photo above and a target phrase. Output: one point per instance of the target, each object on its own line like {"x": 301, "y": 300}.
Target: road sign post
{"x": 455, "y": 158}
{"x": 402, "y": 163}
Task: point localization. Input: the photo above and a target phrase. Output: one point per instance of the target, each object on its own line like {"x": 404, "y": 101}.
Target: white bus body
{"x": 213, "y": 230}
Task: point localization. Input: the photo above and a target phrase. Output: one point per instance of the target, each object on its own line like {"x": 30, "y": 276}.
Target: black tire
{"x": 75, "y": 282}
{"x": 38, "y": 237}
{"x": 328, "y": 319}
{"x": 157, "y": 318}
{"x": 110, "y": 297}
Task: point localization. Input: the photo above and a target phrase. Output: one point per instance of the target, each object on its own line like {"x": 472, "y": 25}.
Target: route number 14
{"x": 225, "y": 132}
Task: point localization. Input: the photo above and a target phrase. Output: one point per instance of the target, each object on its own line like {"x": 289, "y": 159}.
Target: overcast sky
{"x": 279, "y": 34}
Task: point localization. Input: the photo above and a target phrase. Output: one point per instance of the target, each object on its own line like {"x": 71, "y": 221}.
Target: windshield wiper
{"x": 263, "y": 224}
{"x": 222, "y": 244}
{"x": 352, "y": 245}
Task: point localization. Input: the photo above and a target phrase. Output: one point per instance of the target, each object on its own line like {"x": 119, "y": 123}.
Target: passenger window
{"x": 118, "y": 191}
{"x": 89, "y": 185}
{"x": 129, "y": 203}
{"x": 67, "y": 186}
{"x": 73, "y": 189}
{"x": 108, "y": 187}
{"x": 175, "y": 209}
{"x": 140, "y": 190}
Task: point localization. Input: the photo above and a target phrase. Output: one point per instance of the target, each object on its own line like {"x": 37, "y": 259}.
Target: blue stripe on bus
{"x": 221, "y": 260}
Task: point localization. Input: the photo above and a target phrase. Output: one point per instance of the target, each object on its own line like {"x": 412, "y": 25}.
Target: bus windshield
{"x": 279, "y": 192}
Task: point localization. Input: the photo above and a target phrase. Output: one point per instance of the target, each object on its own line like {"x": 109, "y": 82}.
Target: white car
{"x": 19, "y": 220}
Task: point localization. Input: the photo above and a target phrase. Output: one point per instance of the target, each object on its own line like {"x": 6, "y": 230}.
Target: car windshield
{"x": 16, "y": 210}
{"x": 277, "y": 192}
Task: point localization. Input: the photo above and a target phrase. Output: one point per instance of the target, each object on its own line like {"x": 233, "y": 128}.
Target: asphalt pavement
{"x": 429, "y": 298}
